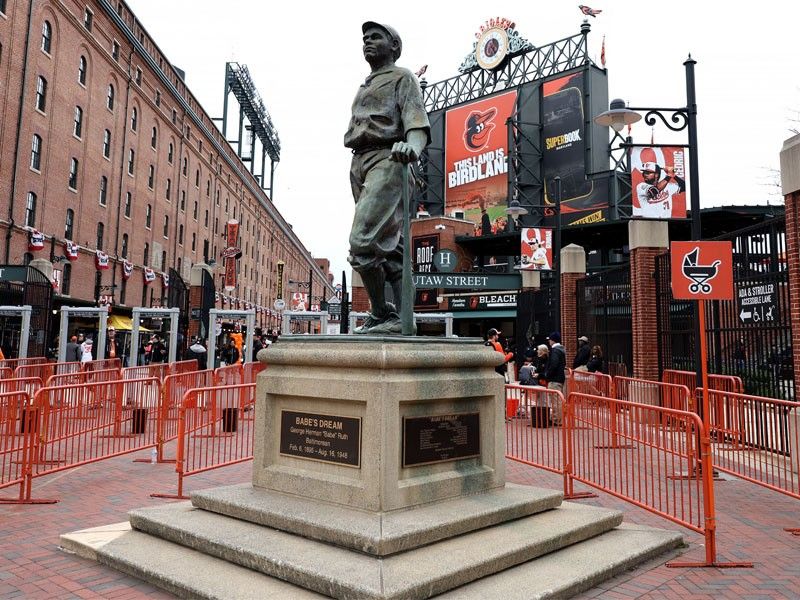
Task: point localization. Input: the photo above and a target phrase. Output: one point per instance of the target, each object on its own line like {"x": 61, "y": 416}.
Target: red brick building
{"x": 103, "y": 145}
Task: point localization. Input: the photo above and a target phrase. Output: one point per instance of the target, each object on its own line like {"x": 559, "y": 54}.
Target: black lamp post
{"x": 675, "y": 119}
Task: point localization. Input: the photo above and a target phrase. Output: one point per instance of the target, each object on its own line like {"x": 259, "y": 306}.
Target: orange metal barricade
{"x": 83, "y": 377}
{"x": 46, "y": 370}
{"x": 530, "y": 439}
{"x": 727, "y": 383}
{"x": 102, "y": 364}
{"x": 13, "y": 363}
{"x": 230, "y": 374}
{"x": 6, "y": 373}
{"x": 157, "y": 370}
{"x": 172, "y": 391}
{"x": 584, "y": 382}
{"x": 216, "y": 429}
{"x": 14, "y": 443}
{"x": 654, "y": 393}
{"x": 183, "y": 366}
{"x": 29, "y": 385}
{"x": 251, "y": 370}
{"x": 666, "y": 469}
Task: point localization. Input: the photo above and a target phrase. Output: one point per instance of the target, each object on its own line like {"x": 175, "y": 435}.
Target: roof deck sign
{"x": 702, "y": 270}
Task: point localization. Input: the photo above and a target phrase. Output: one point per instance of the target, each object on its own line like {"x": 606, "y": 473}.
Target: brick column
{"x": 790, "y": 186}
{"x": 573, "y": 269}
{"x": 360, "y": 298}
{"x": 646, "y": 239}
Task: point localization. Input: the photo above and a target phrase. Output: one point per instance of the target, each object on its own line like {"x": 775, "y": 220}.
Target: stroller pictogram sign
{"x": 702, "y": 270}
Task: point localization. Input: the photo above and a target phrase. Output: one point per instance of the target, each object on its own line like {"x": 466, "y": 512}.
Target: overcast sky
{"x": 306, "y": 61}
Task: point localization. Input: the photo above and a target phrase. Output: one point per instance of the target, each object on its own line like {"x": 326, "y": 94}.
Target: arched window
{"x": 170, "y": 153}
{"x": 30, "y": 210}
{"x": 41, "y": 93}
{"x": 110, "y": 97}
{"x": 69, "y": 224}
{"x": 169, "y": 189}
{"x": 36, "y": 152}
{"x": 73, "y": 174}
{"x": 128, "y": 201}
{"x": 180, "y": 234}
{"x": 124, "y": 250}
{"x": 197, "y": 178}
{"x": 103, "y": 190}
{"x": 47, "y": 36}
{"x": 185, "y": 164}
{"x": 148, "y": 217}
{"x": 131, "y": 161}
{"x": 107, "y": 143}
{"x": 82, "y": 70}
{"x": 101, "y": 229}
{"x": 134, "y": 118}
{"x": 78, "y": 125}
{"x": 146, "y": 261}
{"x": 66, "y": 279}
{"x": 154, "y": 138}
{"x": 166, "y": 226}
{"x": 151, "y": 176}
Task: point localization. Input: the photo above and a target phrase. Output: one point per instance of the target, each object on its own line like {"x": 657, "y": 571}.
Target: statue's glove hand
{"x": 404, "y": 153}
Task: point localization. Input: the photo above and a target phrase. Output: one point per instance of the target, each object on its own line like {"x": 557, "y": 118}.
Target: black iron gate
{"x": 749, "y": 336}
{"x": 536, "y": 316}
{"x": 30, "y": 287}
{"x": 178, "y": 297}
{"x": 604, "y": 314}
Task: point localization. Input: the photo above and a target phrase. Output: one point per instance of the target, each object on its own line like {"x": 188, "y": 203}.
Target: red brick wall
{"x": 643, "y": 308}
{"x": 360, "y": 300}
{"x": 793, "y": 264}
{"x": 569, "y": 315}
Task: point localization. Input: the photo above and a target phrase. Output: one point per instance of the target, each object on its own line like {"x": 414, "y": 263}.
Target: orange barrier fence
{"x": 584, "y": 382}
{"x": 102, "y": 364}
{"x": 15, "y": 442}
{"x": 654, "y": 393}
{"x": 6, "y": 373}
{"x": 157, "y": 370}
{"x": 45, "y": 370}
{"x": 251, "y": 370}
{"x": 172, "y": 391}
{"x": 727, "y": 383}
{"x": 83, "y": 377}
{"x": 757, "y": 439}
{"x": 216, "y": 429}
{"x": 229, "y": 375}
{"x": 183, "y": 366}
{"x": 529, "y": 437}
{"x": 13, "y": 363}
{"x": 29, "y": 385}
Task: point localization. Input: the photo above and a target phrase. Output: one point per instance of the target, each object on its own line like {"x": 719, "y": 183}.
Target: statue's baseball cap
{"x": 388, "y": 29}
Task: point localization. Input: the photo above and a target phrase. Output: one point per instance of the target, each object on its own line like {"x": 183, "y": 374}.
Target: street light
{"x": 675, "y": 119}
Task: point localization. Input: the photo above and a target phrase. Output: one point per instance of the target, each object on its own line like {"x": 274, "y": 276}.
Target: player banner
{"x": 564, "y": 153}
{"x": 536, "y": 253}
{"x": 476, "y": 150}
{"x": 299, "y": 301}
{"x": 658, "y": 181}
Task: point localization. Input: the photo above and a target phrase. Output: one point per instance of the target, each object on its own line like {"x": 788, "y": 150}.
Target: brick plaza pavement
{"x": 31, "y": 565}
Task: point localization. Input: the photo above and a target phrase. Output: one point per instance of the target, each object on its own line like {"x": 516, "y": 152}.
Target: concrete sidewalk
{"x": 750, "y": 528}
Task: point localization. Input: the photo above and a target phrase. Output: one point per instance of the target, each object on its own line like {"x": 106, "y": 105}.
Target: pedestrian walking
{"x": 595, "y": 364}
{"x": 555, "y": 374}
{"x": 582, "y": 355}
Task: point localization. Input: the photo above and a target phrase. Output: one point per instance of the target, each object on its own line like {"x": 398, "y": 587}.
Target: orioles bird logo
{"x": 478, "y": 127}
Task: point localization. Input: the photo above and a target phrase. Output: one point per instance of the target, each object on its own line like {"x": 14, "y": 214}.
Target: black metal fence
{"x": 604, "y": 315}
{"x": 36, "y": 291}
{"x": 536, "y": 316}
{"x": 749, "y": 336}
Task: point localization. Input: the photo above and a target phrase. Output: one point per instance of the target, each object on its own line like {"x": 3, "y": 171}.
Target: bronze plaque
{"x": 440, "y": 438}
{"x": 327, "y": 438}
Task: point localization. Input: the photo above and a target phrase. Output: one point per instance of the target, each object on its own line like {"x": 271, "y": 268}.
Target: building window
{"x": 3, "y": 6}
{"x": 30, "y": 210}
{"x": 146, "y": 261}
{"x": 170, "y": 151}
{"x": 174, "y": 116}
{"x": 110, "y": 97}
{"x": 77, "y": 130}
{"x": 206, "y": 219}
{"x": 185, "y": 164}
{"x": 82, "y": 70}
{"x": 154, "y": 138}
{"x": 134, "y": 118}
{"x": 124, "y": 251}
{"x": 151, "y": 175}
{"x": 138, "y": 76}
{"x": 205, "y": 251}
{"x": 103, "y": 190}
{"x": 107, "y": 143}
{"x": 208, "y": 189}
{"x": 128, "y": 204}
{"x": 123, "y": 290}
{"x": 69, "y": 224}
{"x": 183, "y": 201}
{"x": 194, "y": 242}
{"x": 88, "y": 19}
{"x": 169, "y": 189}
{"x": 180, "y": 265}
{"x": 115, "y": 50}
{"x": 36, "y": 152}
{"x": 131, "y": 161}
{"x": 66, "y": 279}
{"x": 148, "y": 217}
{"x": 164, "y": 260}
{"x": 166, "y": 226}
{"x": 47, "y": 36}
{"x": 194, "y": 213}
{"x": 180, "y": 235}
{"x": 101, "y": 229}
{"x": 41, "y": 93}
{"x": 73, "y": 174}
{"x": 197, "y": 178}
{"x": 158, "y": 97}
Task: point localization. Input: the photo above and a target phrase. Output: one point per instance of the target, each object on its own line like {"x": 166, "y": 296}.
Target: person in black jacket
{"x": 555, "y": 374}
{"x": 595, "y": 364}
{"x": 230, "y": 354}
{"x": 583, "y": 354}
{"x": 197, "y": 351}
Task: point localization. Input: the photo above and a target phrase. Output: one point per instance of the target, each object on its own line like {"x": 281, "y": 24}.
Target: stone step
{"x": 192, "y": 574}
{"x": 376, "y": 533}
{"x": 576, "y": 568}
{"x": 343, "y": 573}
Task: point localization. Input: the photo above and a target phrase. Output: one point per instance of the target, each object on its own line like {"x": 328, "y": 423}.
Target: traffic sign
{"x": 280, "y": 304}
{"x": 702, "y": 270}
{"x": 758, "y": 302}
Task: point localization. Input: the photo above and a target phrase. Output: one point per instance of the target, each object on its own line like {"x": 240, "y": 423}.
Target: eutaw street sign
{"x": 467, "y": 281}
